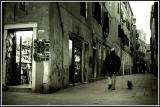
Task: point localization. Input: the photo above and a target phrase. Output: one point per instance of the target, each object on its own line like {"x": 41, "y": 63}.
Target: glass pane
{"x": 70, "y": 52}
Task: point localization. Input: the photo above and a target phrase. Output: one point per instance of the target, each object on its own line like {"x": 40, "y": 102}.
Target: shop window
{"x": 19, "y": 57}
{"x": 83, "y": 9}
{"x": 97, "y": 12}
{"x": 75, "y": 60}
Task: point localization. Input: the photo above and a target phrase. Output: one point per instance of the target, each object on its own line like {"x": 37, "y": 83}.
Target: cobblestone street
{"x": 144, "y": 92}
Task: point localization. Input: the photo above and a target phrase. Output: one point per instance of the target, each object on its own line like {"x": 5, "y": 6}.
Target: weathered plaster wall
{"x": 57, "y": 70}
{"x": 64, "y": 20}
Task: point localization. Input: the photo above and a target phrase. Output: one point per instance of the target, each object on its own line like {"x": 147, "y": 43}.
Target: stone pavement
{"x": 144, "y": 92}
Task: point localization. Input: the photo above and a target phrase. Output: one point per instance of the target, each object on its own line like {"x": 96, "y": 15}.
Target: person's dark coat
{"x": 112, "y": 63}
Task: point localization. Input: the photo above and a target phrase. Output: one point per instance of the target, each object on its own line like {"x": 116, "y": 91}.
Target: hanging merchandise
{"x": 42, "y": 51}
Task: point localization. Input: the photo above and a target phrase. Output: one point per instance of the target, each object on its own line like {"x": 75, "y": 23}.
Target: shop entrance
{"x": 14, "y": 64}
{"x": 19, "y": 57}
{"x": 75, "y": 61}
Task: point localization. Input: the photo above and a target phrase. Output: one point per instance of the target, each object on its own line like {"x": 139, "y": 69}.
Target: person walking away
{"x": 111, "y": 66}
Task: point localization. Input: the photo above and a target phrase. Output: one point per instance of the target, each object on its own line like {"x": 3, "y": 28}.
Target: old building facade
{"x": 69, "y": 41}
{"x": 141, "y": 50}
{"x": 126, "y": 23}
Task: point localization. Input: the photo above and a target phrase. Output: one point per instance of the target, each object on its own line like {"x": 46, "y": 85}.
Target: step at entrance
{"x": 19, "y": 88}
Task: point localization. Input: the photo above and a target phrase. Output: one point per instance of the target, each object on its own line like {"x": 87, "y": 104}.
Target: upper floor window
{"x": 97, "y": 12}
{"x": 106, "y": 23}
{"x": 83, "y": 9}
{"x": 118, "y": 7}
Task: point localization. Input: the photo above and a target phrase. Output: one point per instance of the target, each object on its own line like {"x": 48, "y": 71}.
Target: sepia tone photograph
{"x": 99, "y": 53}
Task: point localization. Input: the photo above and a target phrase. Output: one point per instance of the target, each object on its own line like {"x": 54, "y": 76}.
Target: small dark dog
{"x": 129, "y": 84}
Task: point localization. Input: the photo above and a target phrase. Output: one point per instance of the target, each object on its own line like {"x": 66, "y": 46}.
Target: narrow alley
{"x": 79, "y": 53}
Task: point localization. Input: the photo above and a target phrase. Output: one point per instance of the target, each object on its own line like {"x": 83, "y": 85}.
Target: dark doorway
{"x": 75, "y": 59}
